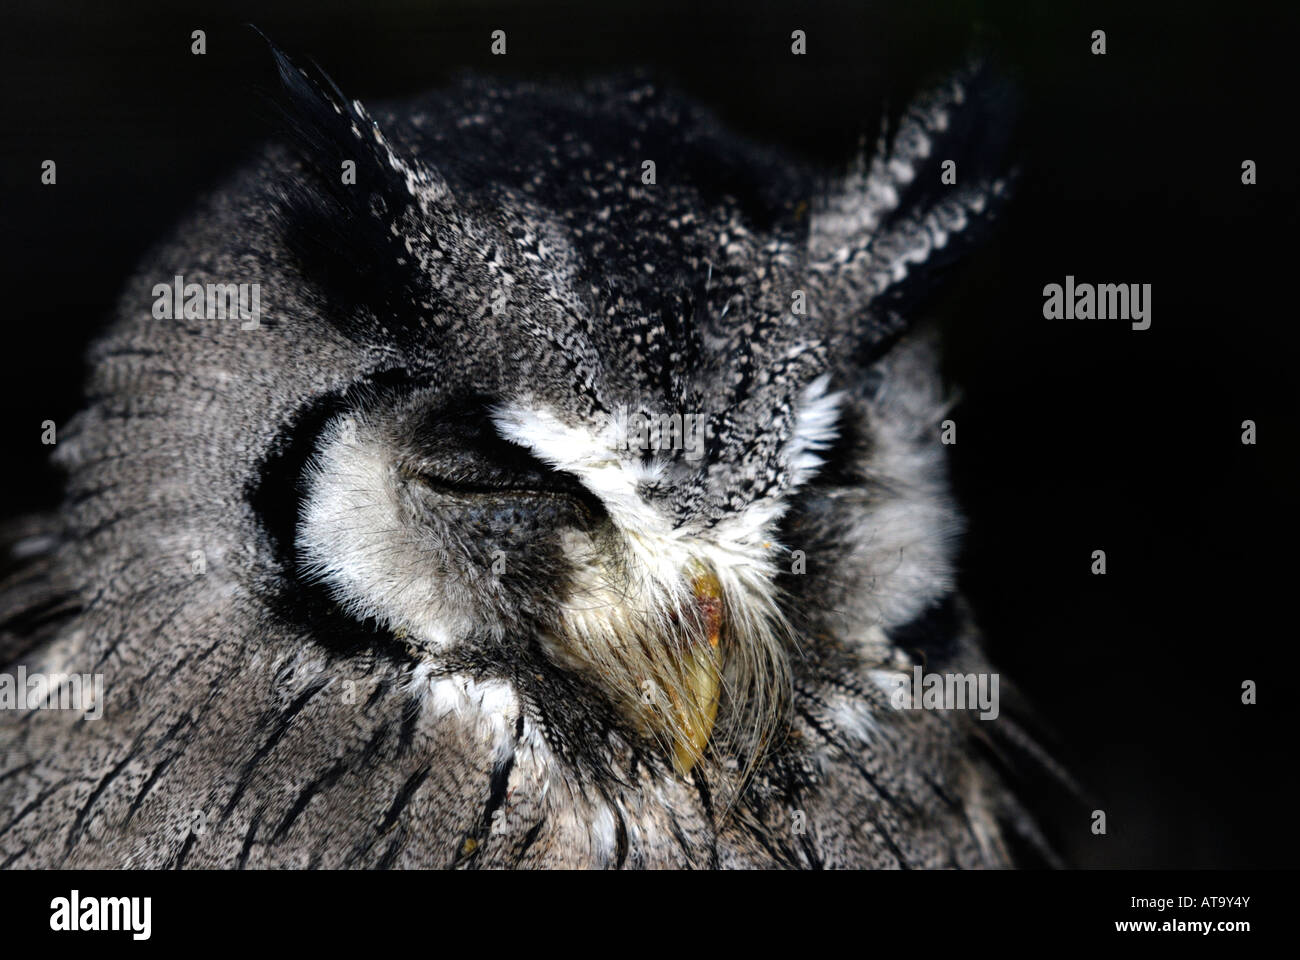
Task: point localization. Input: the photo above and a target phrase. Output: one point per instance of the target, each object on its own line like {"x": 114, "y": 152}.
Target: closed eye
{"x": 458, "y": 451}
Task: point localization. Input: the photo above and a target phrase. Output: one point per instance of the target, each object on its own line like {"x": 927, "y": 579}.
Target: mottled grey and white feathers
{"x": 431, "y": 588}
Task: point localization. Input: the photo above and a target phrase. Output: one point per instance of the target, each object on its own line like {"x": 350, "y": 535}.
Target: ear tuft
{"x": 363, "y": 218}
{"x": 885, "y": 231}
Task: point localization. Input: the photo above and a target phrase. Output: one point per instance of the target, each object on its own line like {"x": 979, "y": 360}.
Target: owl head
{"x": 591, "y": 441}
{"x": 616, "y": 353}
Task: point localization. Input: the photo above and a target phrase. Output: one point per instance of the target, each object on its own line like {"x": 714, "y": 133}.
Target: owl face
{"x": 519, "y": 515}
{"x": 626, "y": 516}
{"x": 585, "y": 447}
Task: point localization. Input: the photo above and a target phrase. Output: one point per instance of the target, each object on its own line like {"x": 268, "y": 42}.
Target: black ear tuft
{"x": 355, "y": 200}
{"x": 883, "y": 235}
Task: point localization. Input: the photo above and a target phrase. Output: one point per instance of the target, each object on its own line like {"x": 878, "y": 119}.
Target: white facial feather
{"x": 353, "y": 537}
{"x": 814, "y": 429}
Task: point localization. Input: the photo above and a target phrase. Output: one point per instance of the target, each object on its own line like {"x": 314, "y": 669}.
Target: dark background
{"x": 1072, "y": 435}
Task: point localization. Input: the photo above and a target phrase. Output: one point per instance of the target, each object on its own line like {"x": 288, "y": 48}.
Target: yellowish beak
{"x": 702, "y": 672}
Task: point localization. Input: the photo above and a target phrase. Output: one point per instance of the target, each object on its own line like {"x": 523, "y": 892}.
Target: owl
{"x": 520, "y": 477}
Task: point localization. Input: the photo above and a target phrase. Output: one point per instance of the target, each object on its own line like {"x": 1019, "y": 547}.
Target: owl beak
{"x": 702, "y": 673}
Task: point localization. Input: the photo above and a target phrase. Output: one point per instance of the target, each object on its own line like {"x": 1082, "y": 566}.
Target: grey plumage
{"x": 348, "y": 681}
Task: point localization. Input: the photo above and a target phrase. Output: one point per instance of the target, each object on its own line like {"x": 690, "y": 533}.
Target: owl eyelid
{"x": 445, "y": 485}
{"x": 469, "y": 489}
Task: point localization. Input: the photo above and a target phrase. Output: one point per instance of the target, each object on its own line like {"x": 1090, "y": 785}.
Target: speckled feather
{"x": 251, "y": 697}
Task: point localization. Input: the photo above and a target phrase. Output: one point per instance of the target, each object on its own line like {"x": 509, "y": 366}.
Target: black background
{"x": 227, "y": 909}
{"x": 1072, "y": 435}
